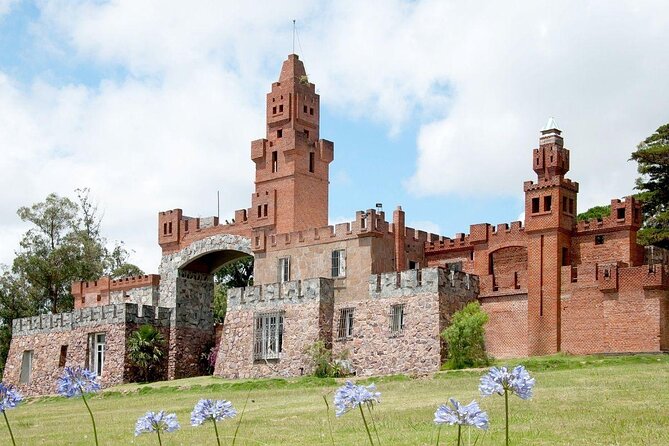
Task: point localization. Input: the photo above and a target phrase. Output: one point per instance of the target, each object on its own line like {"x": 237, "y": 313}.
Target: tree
{"x": 652, "y": 157}
{"x": 13, "y": 304}
{"x": 236, "y": 274}
{"x": 146, "y": 349}
{"x": 598, "y": 212}
{"x": 466, "y": 346}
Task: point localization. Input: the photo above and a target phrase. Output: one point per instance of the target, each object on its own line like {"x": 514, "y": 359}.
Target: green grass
{"x": 594, "y": 400}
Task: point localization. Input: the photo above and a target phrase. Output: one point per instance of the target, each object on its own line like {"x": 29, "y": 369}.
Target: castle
{"x": 377, "y": 289}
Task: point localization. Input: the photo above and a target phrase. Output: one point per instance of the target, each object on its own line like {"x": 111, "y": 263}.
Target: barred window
{"x": 397, "y": 318}
{"x": 345, "y": 323}
{"x": 268, "y": 336}
{"x": 284, "y": 269}
{"x": 338, "y": 263}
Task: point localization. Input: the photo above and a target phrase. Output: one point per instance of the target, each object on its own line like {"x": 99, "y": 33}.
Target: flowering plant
{"x": 156, "y": 422}
{"x": 77, "y": 381}
{"x": 351, "y": 395}
{"x": 9, "y": 398}
{"x": 461, "y": 415}
{"x": 212, "y": 410}
{"x": 501, "y": 381}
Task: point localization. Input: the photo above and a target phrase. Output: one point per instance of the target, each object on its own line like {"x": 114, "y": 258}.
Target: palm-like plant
{"x": 146, "y": 349}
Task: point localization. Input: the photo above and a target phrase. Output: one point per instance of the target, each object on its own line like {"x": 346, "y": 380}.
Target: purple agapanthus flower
{"x": 76, "y": 381}
{"x": 216, "y": 410}
{"x": 499, "y": 380}
{"x": 156, "y": 422}
{"x": 458, "y": 414}
{"x": 350, "y": 396}
{"x": 9, "y": 397}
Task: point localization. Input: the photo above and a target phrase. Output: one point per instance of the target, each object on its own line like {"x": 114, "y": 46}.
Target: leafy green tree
{"x": 598, "y": 212}
{"x": 146, "y": 350}
{"x": 466, "y": 345}
{"x": 652, "y": 157}
{"x": 236, "y": 274}
{"x": 14, "y": 303}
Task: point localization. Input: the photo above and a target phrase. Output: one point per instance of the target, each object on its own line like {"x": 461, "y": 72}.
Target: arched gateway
{"x": 187, "y": 286}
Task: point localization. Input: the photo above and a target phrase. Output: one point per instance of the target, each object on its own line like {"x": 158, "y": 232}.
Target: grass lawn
{"x": 597, "y": 400}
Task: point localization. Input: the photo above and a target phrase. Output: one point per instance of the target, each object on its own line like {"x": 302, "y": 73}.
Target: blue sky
{"x": 432, "y": 105}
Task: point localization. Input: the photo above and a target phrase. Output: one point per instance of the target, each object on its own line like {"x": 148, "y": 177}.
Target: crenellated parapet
{"x": 481, "y": 233}
{"x": 291, "y": 292}
{"x": 625, "y": 214}
{"x": 615, "y": 276}
{"x": 92, "y": 316}
{"x": 420, "y": 281}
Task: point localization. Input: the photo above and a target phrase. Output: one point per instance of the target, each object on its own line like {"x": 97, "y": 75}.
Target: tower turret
{"x": 292, "y": 163}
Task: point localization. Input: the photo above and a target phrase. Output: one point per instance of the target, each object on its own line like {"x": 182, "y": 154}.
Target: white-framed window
{"x": 26, "y": 367}
{"x": 96, "y": 352}
{"x": 345, "y": 323}
{"x": 268, "y": 336}
{"x": 396, "y": 318}
{"x": 338, "y": 263}
{"x": 284, "y": 269}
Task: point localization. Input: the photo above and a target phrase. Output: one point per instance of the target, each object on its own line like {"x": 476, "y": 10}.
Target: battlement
{"x": 547, "y": 182}
{"x": 625, "y": 214}
{"x": 418, "y": 281}
{"x": 98, "y": 292}
{"x": 92, "y": 316}
{"x": 290, "y": 292}
{"x": 478, "y": 233}
{"x": 612, "y": 277}
{"x": 366, "y": 224}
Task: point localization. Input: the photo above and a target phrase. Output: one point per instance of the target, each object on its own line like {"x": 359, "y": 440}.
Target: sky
{"x": 432, "y": 105}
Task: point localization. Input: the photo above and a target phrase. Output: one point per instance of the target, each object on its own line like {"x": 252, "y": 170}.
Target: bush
{"x": 466, "y": 346}
{"x": 325, "y": 366}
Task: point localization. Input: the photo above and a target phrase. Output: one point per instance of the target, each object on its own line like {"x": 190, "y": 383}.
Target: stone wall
{"x": 430, "y": 296}
{"x": 45, "y": 335}
{"x": 306, "y": 306}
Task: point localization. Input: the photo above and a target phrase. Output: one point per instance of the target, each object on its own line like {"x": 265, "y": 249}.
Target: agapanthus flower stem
{"x": 11, "y": 435}
{"x": 95, "y": 431}
{"x": 160, "y": 442}
{"x": 506, "y": 408}
{"x": 364, "y": 420}
{"x": 438, "y": 434}
{"x": 369, "y": 408}
{"x": 459, "y": 433}
{"x": 218, "y": 440}
{"x": 327, "y": 412}
{"x": 241, "y": 416}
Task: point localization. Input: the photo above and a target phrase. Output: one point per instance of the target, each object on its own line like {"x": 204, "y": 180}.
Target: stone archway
{"x": 187, "y": 286}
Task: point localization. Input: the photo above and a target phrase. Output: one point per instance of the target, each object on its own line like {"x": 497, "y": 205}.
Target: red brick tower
{"x": 292, "y": 164}
{"x": 550, "y": 216}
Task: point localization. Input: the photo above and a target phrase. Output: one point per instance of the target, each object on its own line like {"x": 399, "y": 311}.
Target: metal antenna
{"x": 218, "y": 204}
{"x": 293, "y": 36}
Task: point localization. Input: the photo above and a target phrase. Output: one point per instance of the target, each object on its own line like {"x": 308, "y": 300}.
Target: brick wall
{"x": 506, "y": 330}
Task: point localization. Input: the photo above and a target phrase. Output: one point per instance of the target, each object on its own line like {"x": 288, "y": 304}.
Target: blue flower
{"x": 500, "y": 380}
{"x": 206, "y": 410}
{"x": 76, "y": 381}
{"x": 469, "y": 415}
{"x": 156, "y": 422}
{"x": 9, "y": 397}
{"x": 350, "y": 396}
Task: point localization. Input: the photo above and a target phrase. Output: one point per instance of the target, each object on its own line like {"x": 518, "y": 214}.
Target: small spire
{"x": 551, "y": 125}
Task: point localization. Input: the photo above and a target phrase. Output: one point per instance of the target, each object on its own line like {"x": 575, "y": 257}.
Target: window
{"x": 413, "y": 265}
{"x": 275, "y": 161}
{"x": 397, "y": 318}
{"x": 26, "y": 367}
{"x": 338, "y": 263}
{"x": 535, "y": 205}
{"x": 599, "y": 240}
{"x": 311, "y": 111}
{"x": 63, "y": 356}
{"x": 548, "y": 201}
{"x": 279, "y": 133}
{"x": 274, "y": 110}
{"x": 284, "y": 269}
{"x": 96, "y": 352}
{"x": 311, "y": 160}
{"x": 164, "y": 228}
{"x": 264, "y": 210}
{"x": 571, "y": 206}
{"x": 565, "y": 256}
{"x": 305, "y": 109}
{"x": 620, "y": 213}
{"x": 268, "y": 336}
{"x": 306, "y": 133}
{"x": 169, "y": 228}
{"x": 345, "y": 323}
{"x": 281, "y": 108}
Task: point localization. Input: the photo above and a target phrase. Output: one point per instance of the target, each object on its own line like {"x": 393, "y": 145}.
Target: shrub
{"x": 325, "y": 366}
{"x": 146, "y": 350}
{"x": 466, "y": 347}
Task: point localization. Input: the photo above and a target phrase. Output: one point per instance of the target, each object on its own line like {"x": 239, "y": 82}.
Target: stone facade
{"x": 377, "y": 289}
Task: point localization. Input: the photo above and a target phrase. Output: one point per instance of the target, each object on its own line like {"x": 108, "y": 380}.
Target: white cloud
{"x": 425, "y": 225}
{"x": 5, "y": 6}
